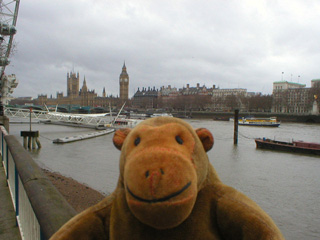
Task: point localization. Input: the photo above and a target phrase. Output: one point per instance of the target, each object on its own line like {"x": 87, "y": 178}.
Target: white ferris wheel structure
{"x": 8, "y": 20}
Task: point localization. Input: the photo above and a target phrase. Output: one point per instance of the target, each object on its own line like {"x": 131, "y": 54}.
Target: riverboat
{"x": 124, "y": 123}
{"x": 138, "y": 115}
{"x": 161, "y": 115}
{"x": 259, "y": 122}
{"x": 294, "y": 146}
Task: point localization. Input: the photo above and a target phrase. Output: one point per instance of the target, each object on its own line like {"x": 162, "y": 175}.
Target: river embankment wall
{"x": 226, "y": 115}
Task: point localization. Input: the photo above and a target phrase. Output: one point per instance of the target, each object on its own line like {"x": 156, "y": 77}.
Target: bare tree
{"x": 232, "y": 102}
{"x": 260, "y": 103}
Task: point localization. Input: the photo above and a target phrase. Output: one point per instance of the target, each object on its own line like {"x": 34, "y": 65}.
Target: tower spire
{"x": 84, "y": 86}
{"x": 124, "y": 83}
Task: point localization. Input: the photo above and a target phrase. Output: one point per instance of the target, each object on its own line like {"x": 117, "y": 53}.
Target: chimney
{"x": 188, "y": 86}
{"x": 198, "y": 85}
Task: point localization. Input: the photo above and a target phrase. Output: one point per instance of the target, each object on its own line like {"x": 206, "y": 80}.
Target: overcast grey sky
{"x": 230, "y": 44}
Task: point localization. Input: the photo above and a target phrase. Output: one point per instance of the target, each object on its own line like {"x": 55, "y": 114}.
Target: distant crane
{"x": 8, "y": 19}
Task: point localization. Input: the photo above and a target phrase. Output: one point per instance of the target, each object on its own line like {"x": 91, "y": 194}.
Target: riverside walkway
{"x": 8, "y": 227}
{"x": 34, "y": 204}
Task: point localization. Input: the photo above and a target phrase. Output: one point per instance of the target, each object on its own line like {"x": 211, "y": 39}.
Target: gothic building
{"x": 124, "y": 84}
{"x": 84, "y": 96}
{"x": 75, "y": 96}
{"x": 72, "y": 85}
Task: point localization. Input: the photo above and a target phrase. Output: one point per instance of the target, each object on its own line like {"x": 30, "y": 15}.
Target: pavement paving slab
{"x": 8, "y": 227}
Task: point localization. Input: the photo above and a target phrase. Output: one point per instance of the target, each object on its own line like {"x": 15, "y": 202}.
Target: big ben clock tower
{"x": 124, "y": 84}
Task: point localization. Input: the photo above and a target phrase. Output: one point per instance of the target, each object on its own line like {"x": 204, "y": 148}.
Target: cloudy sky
{"x": 230, "y": 44}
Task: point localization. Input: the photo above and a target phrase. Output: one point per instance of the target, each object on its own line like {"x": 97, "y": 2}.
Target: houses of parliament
{"x": 86, "y": 97}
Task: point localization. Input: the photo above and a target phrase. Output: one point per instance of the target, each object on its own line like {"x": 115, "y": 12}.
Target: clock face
{"x": 126, "y": 80}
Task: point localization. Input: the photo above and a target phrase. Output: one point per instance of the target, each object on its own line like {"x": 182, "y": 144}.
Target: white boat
{"x": 138, "y": 115}
{"x": 259, "y": 122}
{"x": 124, "y": 123}
{"x": 161, "y": 115}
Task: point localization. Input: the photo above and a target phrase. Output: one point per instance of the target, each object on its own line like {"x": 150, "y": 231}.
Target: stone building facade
{"x": 168, "y": 95}
{"x": 289, "y": 97}
{"x": 223, "y": 99}
{"x": 82, "y": 96}
{"x": 146, "y": 98}
{"x": 171, "y": 97}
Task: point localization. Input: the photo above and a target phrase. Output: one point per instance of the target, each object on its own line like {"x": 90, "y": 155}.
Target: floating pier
{"x": 82, "y": 137}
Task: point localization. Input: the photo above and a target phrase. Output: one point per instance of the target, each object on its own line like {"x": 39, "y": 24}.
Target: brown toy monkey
{"x": 167, "y": 189}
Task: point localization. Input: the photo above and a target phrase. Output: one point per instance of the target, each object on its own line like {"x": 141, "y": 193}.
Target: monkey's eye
{"x": 179, "y": 140}
{"x": 137, "y": 141}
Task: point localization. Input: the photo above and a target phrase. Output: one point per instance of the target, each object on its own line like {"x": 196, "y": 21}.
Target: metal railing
{"x": 40, "y": 209}
{"x": 86, "y": 119}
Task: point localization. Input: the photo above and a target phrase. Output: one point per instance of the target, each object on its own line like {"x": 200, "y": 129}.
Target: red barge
{"x": 294, "y": 146}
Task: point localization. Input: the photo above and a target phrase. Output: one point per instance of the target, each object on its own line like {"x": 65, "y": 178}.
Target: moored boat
{"x": 161, "y": 115}
{"x": 125, "y": 123}
{"x": 138, "y": 115}
{"x": 259, "y": 122}
{"x": 294, "y": 146}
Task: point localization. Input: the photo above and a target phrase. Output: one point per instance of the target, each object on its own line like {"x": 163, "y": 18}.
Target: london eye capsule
{"x": 4, "y": 61}
{"x": 6, "y": 29}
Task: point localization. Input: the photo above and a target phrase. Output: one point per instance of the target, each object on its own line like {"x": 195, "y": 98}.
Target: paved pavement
{"x": 8, "y": 228}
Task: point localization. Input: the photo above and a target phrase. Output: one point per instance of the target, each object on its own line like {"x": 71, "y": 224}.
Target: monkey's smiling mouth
{"x": 160, "y": 199}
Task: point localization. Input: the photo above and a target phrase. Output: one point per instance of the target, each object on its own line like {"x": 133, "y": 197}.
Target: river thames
{"x": 285, "y": 185}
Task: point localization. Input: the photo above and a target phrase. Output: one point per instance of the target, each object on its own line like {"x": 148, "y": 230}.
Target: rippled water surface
{"x": 285, "y": 185}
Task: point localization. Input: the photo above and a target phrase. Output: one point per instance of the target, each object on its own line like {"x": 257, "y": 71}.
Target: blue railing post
{"x": 7, "y": 162}
{"x": 42, "y": 237}
{"x": 16, "y": 184}
{"x": 43, "y": 209}
{"x": 2, "y": 146}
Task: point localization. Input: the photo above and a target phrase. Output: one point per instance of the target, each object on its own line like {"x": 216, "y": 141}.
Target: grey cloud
{"x": 244, "y": 44}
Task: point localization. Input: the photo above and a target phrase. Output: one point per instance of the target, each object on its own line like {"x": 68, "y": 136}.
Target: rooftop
{"x": 289, "y": 83}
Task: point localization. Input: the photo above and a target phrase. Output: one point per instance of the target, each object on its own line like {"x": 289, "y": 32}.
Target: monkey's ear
{"x": 119, "y": 137}
{"x": 206, "y": 138}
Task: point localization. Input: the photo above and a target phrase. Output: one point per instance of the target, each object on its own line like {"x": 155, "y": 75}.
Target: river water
{"x": 285, "y": 185}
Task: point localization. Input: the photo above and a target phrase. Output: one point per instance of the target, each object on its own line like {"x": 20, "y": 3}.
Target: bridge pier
{"x": 30, "y": 139}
